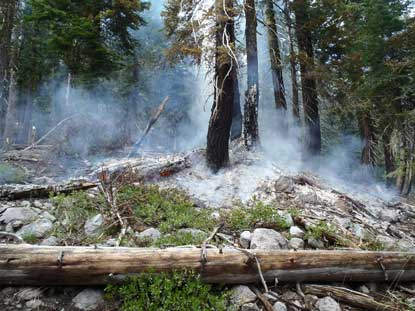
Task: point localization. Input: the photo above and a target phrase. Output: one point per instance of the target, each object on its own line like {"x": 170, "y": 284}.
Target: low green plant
{"x": 10, "y": 174}
{"x": 321, "y": 231}
{"x": 259, "y": 214}
{"x": 167, "y": 209}
{"x": 30, "y": 238}
{"x": 177, "y": 291}
{"x": 180, "y": 238}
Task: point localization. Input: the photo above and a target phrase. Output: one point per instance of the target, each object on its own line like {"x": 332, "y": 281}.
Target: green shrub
{"x": 10, "y": 174}
{"x": 259, "y": 214}
{"x": 177, "y": 291}
{"x": 167, "y": 209}
{"x": 180, "y": 238}
{"x": 321, "y": 231}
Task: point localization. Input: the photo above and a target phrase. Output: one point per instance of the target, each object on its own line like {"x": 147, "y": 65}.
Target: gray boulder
{"x": 249, "y": 307}
{"x": 38, "y": 229}
{"x": 151, "y": 233}
{"x": 93, "y": 226}
{"x": 23, "y": 214}
{"x": 242, "y": 295}
{"x": 245, "y": 239}
{"x": 279, "y": 306}
{"x": 296, "y": 243}
{"x": 89, "y": 300}
{"x": 327, "y": 304}
{"x": 268, "y": 239}
{"x": 50, "y": 241}
{"x": 296, "y": 232}
{"x": 314, "y": 243}
{"x": 284, "y": 184}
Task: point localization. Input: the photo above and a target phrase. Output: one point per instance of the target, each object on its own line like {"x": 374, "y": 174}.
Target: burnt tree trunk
{"x": 293, "y": 68}
{"x": 251, "y": 135}
{"x": 8, "y": 12}
{"x": 367, "y": 133}
{"x": 236, "y": 129}
{"x": 10, "y": 128}
{"x": 308, "y": 82}
{"x": 275, "y": 58}
{"x": 388, "y": 155}
{"x": 217, "y": 151}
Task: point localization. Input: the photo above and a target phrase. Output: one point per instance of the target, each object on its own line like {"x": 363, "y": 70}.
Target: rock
{"x": 29, "y": 293}
{"x": 387, "y": 242}
{"x": 47, "y": 215}
{"x": 327, "y": 304}
{"x": 215, "y": 215}
{"x": 242, "y": 295}
{"x": 152, "y": 234}
{"x": 268, "y": 239}
{"x": 411, "y": 302}
{"x": 405, "y": 246}
{"x": 310, "y": 301}
{"x": 358, "y": 231}
{"x": 314, "y": 243}
{"x": 23, "y": 214}
{"x": 93, "y": 226}
{"x": 296, "y": 232}
{"x": 193, "y": 232}
{"x": 389, "y": 215}
{"x": 38, "y": 229}
{"x": 111, "y": 242}
{"x": 286, "y": 217}
{"x": 245, "y": 239}
{"x": 306, "y": 195}
{"x": 34, "y": 304}
{"x": 89, "y": 300}
{"x": 50, "y": 241}
{"x": 363, "y": 289}
{"x": 279, "y": 306}
{"x": 343, "y": 206}
{"x": 37, "y": 204}
{"x": 296, "y": 243}
{"x": 290, "y": 296}
{"x": 249, "y": 307}
{"x": 284, "y": 184}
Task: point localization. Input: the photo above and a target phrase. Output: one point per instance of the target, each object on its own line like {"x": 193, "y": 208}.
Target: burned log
{"x": 19, "y": 192}
{"x": 46, "y": 266}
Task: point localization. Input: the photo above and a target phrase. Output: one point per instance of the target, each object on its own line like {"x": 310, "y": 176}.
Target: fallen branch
{"x": 38, "y": 265}
{"x": 51, "y": 131}
{"x": 150, "y": 124}
{"x": 349, "y": 297}
{"x": 42, "y": 191}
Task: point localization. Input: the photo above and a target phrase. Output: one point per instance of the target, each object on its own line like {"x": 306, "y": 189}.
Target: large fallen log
{"x": 19, "y": 192}
{"x": 43, "y": 266}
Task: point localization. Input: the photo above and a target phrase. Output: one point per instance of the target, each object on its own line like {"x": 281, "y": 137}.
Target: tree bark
{"x": 367, "y": 133}
{"x": 236, "y": 129}
{"x": 252, "y": 95}
{"x": 388, "y": 155}
{"x": 217, "y": 151}
{"x": 8, "y": 12}
{"x": 308, "y": 82}
{"x": 48, "y": 266}
{"x": 275, "y": 56}
{"x": 10, "y": 128}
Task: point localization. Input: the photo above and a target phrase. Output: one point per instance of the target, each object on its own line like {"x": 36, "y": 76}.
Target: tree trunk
{"x": 77, "y": 266}
{"x": 368, "y": 137}
{"x": 389, "y": 159}
{"x": 251, "y": 98}
{"x": 236, "y": 129}
{"x": 8, "y": 11}
{"x": 217, "y": 151}
{"x": 275, "y": 57}
{"x": 308, "y": 82}
{"x": 10, "y": 128}
{"x": 293, "y": 68}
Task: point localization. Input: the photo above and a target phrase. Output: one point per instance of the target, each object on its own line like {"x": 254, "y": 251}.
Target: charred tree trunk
{"x": 308, "y": 82}
{"x": 293, "y": 68}
{"x": 251, "y": 135}
{"x": 8, "y": 12}
{"x": 217, "y": 151}
{"x": 10, "y": 128}
{"x": 367, "y": 133}
{"x": 236, "y": 129}
{"x": 389, "y": 159}
{"x": 275, "y": 56}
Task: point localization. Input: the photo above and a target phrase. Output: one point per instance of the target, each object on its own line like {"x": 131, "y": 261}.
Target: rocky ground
{"x": 314, "y": 215}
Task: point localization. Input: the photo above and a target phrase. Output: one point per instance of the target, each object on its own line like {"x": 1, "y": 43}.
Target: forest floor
{"x": 174, "y": 200}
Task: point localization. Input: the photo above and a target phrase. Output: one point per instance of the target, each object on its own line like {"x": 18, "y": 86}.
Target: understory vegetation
{"x": 177, "y": 291}
{"x": 10, "y": 174}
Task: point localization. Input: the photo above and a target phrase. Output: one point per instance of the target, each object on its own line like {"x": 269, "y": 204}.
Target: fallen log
{"x": 349, "y": 297}
{"x": 47, "y": 266}
{"x": 19, "y": 192}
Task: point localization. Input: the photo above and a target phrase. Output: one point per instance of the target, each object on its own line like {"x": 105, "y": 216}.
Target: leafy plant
{"x": 321, "y": 231}
{"x": 177, "y": 291}
{"x": 30, "y": 238}
{"x": 180, "y": 238}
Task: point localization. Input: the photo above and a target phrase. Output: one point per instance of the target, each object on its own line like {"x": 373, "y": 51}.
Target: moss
{"x": 30, "y": 238}
{"x": 177, "y": 291}
{"x": 10, "y": 174}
